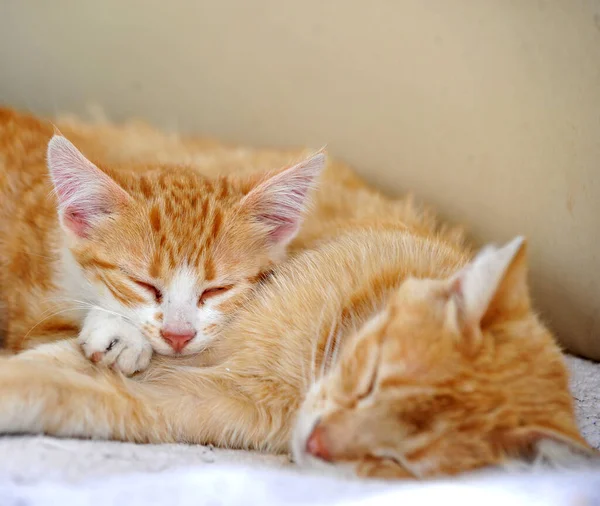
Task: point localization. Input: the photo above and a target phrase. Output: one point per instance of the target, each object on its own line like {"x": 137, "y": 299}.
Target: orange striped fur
{"x": 383, "y": 347}
{"x": 131, "y": 241}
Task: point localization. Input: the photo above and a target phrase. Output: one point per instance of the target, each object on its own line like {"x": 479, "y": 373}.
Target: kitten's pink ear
{"x": 541, "y": 445}
{"x": 279, "y": 202}
{"x": 85, "y": 194}
{"x": 492, "y": 285}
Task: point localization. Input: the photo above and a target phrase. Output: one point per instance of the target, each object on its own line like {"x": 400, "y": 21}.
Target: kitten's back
{"x": 344, "y": 200}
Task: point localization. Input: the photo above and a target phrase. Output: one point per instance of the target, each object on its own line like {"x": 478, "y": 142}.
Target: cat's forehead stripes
{"x": 180, "y": 183}
{"x": 181, "y": 226}
{"x": 155, "y": 219}
{"x": 187, "y": 214}
{"x": 186, "y": 238}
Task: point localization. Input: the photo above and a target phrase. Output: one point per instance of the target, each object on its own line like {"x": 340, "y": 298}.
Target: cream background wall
{"x": 488, "y": 109}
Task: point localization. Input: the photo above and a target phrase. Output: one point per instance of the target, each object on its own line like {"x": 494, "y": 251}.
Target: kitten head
{"x": 169, "y": 249}
{"x": 451, "y": 376}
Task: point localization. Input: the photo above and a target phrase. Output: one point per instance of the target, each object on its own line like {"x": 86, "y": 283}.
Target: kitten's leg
{"x": 54, "y": 390}
{"x": 214, "y": 405}
{"x": 110, "y": 340}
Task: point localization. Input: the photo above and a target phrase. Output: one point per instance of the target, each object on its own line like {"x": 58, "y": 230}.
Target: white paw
{"x": 112, "y": 341}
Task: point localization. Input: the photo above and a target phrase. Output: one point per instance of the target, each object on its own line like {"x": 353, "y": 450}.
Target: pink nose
{"x": 177, "y": 339}
{"x": 316, "y": 445}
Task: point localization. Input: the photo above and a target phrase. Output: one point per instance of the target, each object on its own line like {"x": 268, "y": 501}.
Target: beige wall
{"x": 489, "y": 109}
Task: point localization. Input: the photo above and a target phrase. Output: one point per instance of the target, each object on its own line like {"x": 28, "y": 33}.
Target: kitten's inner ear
{"x": 279, "y": 203}
{"x": 492, "y": 285}
{"x": 548, "y": 447}
{"x": 85, "y": 194}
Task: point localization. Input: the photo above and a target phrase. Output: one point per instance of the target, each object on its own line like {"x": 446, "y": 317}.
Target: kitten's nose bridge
{"x": 181, "y": 327}
{"x": 178, "y": 317}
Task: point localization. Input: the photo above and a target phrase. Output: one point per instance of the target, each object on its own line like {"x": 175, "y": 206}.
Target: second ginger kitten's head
{"x": 172, "y": 250}
{"x": 451, "y": 376}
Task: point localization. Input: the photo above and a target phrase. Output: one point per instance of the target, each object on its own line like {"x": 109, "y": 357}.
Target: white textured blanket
{"x": 47, "y": 471}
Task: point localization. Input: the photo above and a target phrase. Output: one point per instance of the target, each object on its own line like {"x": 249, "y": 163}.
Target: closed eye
{"x": 369, "y": 386}
{"x": 213, "y": 292}
{"x": 155, "y": 292}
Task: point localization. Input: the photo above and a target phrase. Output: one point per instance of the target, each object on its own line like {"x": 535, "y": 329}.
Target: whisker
{"x": 327, "y": 349}
{"x": 313, "y": 361}
{"x": 336, "y": 348}
{"x": 337, "y": 338}
{"x": 43, "y": 320}
{"x": 313, "y": 358}
{"x": 305, "y": 378}
{"x": 82, "y": 304}
{"x": 74, "y": 308}
{"x": 115, "y": 313}
{"x": 89, "y": 305}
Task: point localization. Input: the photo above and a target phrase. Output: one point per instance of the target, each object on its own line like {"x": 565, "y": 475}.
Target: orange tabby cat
{"x": 348, "y": 353}
{"x": 381, "y": 352}
{"x": 140, "y": 257}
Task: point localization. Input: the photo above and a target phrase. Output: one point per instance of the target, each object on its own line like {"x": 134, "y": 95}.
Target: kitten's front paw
{"x": 112, "y": 341}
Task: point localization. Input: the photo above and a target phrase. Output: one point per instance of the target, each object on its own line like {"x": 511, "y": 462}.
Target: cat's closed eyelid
{"x": 156, "y": 292}
{"x": 213, "y": 292}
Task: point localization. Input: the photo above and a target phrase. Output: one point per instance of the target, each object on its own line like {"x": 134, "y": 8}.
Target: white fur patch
{"x": 181, "y": 301}
{"x": 181, "y": 312}
{"x": 75, "y": 290}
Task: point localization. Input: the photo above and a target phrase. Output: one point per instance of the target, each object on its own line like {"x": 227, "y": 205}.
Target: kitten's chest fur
{"x": 74, "y": 289}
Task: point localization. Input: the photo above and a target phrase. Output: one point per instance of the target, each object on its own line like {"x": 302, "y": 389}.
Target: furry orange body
{"x": 154, "y": 252}
{"x": 382, "y": 346}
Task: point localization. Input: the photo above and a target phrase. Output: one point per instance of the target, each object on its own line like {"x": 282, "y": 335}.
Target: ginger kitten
{"x": 134, "y": 258}
{"x": 380, "y": 352}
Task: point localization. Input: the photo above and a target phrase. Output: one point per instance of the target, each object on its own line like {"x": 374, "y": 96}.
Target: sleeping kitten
{"x": 139, "y": 257}
{"x": 380, "y": 352}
